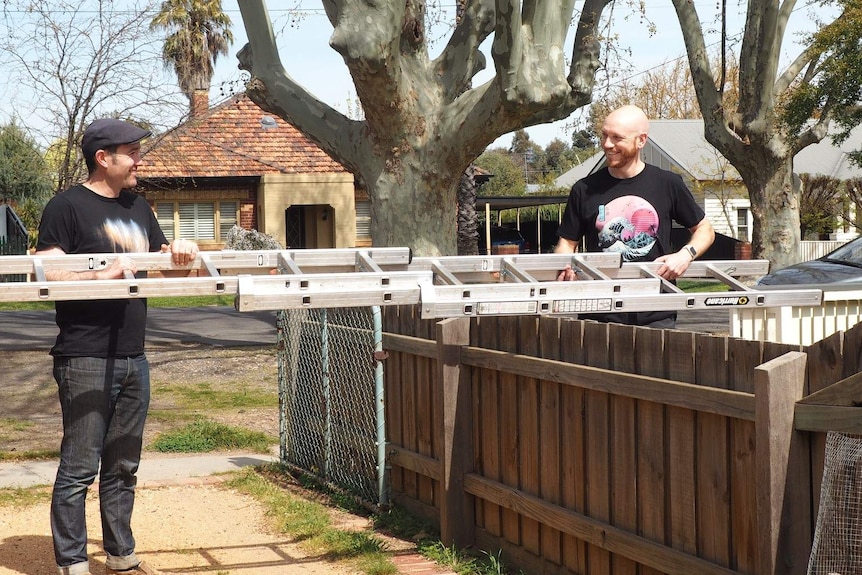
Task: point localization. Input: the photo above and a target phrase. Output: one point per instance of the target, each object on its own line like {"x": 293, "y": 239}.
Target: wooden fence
{"x": 579, "y": 447}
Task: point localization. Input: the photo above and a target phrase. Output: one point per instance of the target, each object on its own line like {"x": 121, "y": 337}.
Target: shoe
{"x": 142, "y": 569}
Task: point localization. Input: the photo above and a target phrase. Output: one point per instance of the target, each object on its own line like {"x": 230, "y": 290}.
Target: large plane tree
{"x": 778, "y": 112}
{"x": 425, "y": 120}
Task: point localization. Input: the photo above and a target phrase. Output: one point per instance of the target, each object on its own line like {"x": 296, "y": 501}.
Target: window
{"x": 742, "y": 224}
{"x": 200, "y": 221}
{"x": 363, "y": 221}
{"x": 165, "y": 216}
{"x": 226, "y": 218}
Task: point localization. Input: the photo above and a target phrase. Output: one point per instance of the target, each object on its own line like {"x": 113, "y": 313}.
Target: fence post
{"x": 783, "y": 480}
{"x": 457, "y": 525}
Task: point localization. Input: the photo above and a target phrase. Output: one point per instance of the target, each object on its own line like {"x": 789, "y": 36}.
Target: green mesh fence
{"x": 331, "y": 397}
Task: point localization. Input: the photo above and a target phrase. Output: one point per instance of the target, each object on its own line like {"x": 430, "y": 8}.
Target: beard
{"x": 622, "y": 157}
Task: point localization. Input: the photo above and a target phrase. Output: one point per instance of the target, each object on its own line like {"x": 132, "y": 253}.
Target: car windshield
{"x": 848, "y": 254}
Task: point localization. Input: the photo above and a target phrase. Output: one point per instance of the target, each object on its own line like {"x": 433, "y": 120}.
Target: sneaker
{"x": 142, "y": 569}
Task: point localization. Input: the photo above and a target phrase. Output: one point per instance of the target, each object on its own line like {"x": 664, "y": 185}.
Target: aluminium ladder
{"x": 451, "y": 286}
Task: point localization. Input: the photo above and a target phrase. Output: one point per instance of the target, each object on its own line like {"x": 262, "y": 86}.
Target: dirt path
{"x": 200, "y": 528}
{"x": 196, "y": 526}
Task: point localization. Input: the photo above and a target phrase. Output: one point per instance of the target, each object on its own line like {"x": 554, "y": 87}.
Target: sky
{"x": 308, "y": 58}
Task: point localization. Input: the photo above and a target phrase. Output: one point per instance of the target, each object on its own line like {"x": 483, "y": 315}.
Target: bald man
{"x": 629, "y": 207}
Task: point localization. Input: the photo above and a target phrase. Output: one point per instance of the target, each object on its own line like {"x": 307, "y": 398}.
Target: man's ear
{"x": 101, "y": 158}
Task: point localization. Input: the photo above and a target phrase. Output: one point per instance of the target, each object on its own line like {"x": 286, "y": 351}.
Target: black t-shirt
{"x": 79, "y": 221}
{"x": 632, "y": 216}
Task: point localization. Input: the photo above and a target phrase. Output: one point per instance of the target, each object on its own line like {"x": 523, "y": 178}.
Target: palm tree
{"x": 199, "y": 34}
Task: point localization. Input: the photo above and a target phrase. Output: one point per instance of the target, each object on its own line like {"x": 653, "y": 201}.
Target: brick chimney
{"x": 200, "y": 104}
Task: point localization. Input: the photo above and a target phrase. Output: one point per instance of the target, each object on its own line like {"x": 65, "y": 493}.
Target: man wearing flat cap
{"x": 100, "y": 367}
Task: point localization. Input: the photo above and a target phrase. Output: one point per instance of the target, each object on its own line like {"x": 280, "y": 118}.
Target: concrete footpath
{"x": 155, "y": 469}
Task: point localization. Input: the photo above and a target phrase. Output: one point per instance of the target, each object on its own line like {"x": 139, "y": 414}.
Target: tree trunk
{"x": 468, "y": 237}
{"x": 423, "y": 121}
{"x": 404, "y": 215}
{"x": 774, "y": 196}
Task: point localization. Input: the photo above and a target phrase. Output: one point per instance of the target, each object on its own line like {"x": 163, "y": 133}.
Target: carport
{"x": 538, "y": 235}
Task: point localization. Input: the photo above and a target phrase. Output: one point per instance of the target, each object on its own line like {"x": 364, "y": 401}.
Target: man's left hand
{"x": 675, "y": 264}
{"x": 182, "y": 252}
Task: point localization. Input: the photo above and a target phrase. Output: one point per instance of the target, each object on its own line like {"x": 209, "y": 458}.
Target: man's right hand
{"x": 116, "y": 269}
{"x": 567, "y": 274}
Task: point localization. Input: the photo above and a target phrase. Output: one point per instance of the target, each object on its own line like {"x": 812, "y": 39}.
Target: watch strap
{"x": 690, "y": 249}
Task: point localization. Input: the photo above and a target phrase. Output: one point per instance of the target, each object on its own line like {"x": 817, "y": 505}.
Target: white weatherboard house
{"x": 679, "y": 145}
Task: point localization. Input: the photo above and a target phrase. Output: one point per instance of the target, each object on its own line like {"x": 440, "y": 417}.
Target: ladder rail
{"x": 445, "y": 286}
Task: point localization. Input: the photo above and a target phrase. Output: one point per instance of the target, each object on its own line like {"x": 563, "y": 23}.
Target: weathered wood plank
{"x": 573, "y": 447}
{"x": 783, "y": 487}
{"x": 550, "y": 448}
{"x": 489, "y": 427}
{"x": 624, "y": 441}
{"x": 597, "y": 431}
{"x": 409, "y": 344}
{"x": 652, "y": 447}
{"x": 743, "y": 357}
{"x": 411, "y": 408}
{"x": 528, "y": 426}
{"x": 598, "y": 534}
{"x": 824, "y": 418}
{"x": 394, "y": 413}
{"x": 404, "y": 458}
{"x": 426, "y": 386}
{"x": 511, "y": 453}
{"x": 713, "y": 457}
{"x": 550, "y": 438}
{"x": 825, "y": 366}
{"x": 844, "y": 393}
{"x": 457, "y": 520}
{"x": 710, "y": 400}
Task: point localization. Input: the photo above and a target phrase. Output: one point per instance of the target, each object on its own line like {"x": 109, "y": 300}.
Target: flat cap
{"x": 106, "y": 132}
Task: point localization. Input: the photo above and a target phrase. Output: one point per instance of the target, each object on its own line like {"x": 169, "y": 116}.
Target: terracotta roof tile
{"x": 230, "y": 140}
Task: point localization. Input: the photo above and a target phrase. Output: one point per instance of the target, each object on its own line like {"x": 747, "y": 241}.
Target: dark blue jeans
{"x": 104, "y": 404}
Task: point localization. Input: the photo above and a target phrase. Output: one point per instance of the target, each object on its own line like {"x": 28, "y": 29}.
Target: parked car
{"x": 501, "y": 236}
{"x": 843, "y": 265}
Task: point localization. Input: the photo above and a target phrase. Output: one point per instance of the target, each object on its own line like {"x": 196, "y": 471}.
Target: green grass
{"x": 201, "y": 436}
{"x": 394, "y": 522}
{"x": 23, "y": 497}
{"x": 10, "y": 424}
{"x": 203, "y": 394}
{"x": 309, "y": 523}
{"x": 701, "y": 285}
{"x": 43, "y": 454}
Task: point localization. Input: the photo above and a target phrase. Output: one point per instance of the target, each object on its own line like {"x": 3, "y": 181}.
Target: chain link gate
{"x": 330, "y": 391}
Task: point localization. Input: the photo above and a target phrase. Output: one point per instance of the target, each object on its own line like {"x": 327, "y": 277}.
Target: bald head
{"x": 627, "y": 119}
{"x": 624, "y": 134}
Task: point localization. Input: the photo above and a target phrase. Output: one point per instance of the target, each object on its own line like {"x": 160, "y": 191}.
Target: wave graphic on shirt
{"x": 127, "y": 237}
{"x": 628, "y": 225}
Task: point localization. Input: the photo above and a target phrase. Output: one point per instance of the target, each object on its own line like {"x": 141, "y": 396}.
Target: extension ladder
{"x": 451, "y": 286}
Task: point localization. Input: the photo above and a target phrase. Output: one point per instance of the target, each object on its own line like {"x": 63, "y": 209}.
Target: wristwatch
{"x": 690, "y": 249}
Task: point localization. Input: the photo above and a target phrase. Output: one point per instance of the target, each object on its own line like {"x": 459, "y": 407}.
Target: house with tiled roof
{"x": 234, "y": 164}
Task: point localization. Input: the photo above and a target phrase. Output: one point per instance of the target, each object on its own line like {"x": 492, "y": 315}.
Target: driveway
{"x": 219, "y": 326}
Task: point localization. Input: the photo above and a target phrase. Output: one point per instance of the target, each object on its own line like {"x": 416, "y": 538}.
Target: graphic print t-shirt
{"x": 633, "y": 217}
{"x": 628, "y": 225}
{"x": 79, "y": 221}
